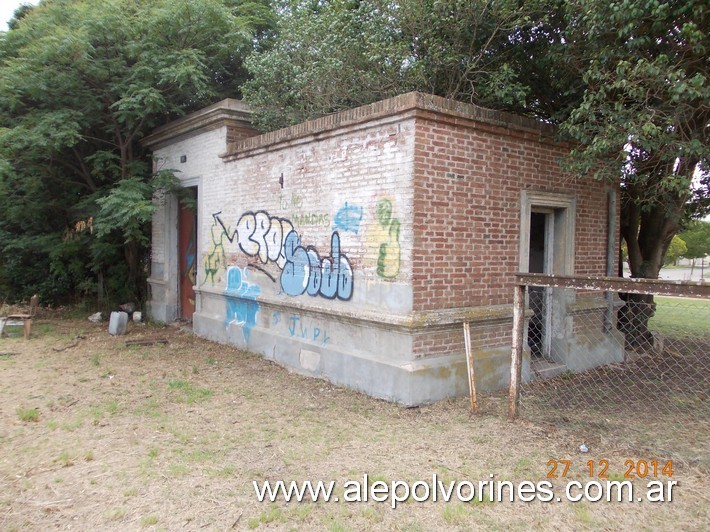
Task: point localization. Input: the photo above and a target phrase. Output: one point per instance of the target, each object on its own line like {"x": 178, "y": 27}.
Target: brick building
{"x": 353, "y": 247}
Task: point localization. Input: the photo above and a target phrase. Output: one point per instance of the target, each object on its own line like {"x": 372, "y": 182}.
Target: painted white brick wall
{"x": 202, "y": 152}
{"x": 355, "y": 170}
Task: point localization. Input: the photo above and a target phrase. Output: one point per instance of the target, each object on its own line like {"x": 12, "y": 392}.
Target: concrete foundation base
{"x": 373, "y": 359}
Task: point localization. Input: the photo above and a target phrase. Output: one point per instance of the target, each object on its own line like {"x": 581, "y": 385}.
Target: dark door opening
{"x": 539, "y": 261}
{"x": 187, "y": 254}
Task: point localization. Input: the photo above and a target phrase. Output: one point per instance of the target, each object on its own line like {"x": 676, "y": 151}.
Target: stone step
{"x": 545, "y": 369}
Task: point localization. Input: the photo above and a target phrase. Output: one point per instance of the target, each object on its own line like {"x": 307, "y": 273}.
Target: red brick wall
{"x": 468, "y": 178}
{"x": 448, "y": 341}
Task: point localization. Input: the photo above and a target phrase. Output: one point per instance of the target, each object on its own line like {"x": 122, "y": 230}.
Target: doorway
{"x": 187, "y": 252}
{"x": 540, "y": 260}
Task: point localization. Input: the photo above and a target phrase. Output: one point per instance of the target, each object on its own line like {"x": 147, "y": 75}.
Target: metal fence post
{"x": 517, "y": 350}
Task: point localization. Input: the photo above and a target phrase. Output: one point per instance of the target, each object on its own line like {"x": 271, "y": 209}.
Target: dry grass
{"x": 172, "y": 436}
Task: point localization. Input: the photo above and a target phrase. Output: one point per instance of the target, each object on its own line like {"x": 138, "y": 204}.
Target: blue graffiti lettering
{"x": 348, "y": 218}
{"x": 296, "y": 328}
{"x": 273, "y": 239}
{"x": 304, "y": 270}
{"x": 242, "y": 306}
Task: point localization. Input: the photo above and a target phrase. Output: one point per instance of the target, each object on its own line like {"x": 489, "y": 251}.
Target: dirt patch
{"x": 95, "y": 434}
{"x": 656, "y": 402}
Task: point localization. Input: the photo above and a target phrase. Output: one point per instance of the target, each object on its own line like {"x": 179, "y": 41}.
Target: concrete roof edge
{"x": 401, "y": 104}
{"x": 194, "y": 123}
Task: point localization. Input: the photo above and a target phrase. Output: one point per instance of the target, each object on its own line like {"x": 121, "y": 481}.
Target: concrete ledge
{"x": 410, "y": 321}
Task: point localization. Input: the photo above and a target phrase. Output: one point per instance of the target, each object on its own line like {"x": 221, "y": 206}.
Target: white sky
{"x": 7, "y": 8}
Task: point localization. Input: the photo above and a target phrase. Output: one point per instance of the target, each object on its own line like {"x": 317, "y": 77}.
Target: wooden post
{"x": 517, "y": 351}
{"x": 27, "y": 327}
{"x": 469, "y": 364}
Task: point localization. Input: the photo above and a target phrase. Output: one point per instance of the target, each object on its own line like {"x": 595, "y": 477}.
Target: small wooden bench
{"x": 17, "y": 319}
{"x": 21, "y": 319}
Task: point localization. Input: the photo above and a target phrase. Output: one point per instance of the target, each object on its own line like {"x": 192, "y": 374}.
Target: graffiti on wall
{"x": 311, "y": 218}
{"x": 191, "y": 258}
{"x": 305, "y": 271}
{"x": 242, "y": 306}
{"x": 259, "y": 235}
{"x": 214, "y": 259}
{"x": 294, "y": 204}
{"x": 273, "y": 240}
{"x": 348, "y": 218}
{"x": 298, "y": 328}
{"x": 389, "y": 250}
{"x": 292, "y": 201}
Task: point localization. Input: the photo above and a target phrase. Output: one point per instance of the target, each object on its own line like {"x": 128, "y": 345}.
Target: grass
{"x": 149, "y": 520}
{"x": 271, "y": 515}
{"x": 189, "y": 393}
{"x": 116, "y": 514}
{"x": 97, "y": 412}
{"x": 455, "y": 514}
{"x": 154, "y": 462}
{"x": 686, "y": 316}
{"x": 65, "y": 458}
{"x": 28, "y": 415}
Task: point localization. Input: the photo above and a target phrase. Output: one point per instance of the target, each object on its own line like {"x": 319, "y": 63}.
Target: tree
{"x": 643, "y": 118}
{"x": 19, "y": 14}
{"x": 644, "y": 115}
{"x": 336, "y": 54}
{"x": 627, "y": 80}
{"x": 697, "y": 238}
{"x": 81, "y": 81}
{"x": 676, "y": 250}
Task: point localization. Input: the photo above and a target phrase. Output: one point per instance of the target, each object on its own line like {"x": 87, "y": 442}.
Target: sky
{"x": 7, "y": 8}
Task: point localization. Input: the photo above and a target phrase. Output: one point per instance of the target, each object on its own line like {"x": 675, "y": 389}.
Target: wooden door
{"x": 187, "y": 255}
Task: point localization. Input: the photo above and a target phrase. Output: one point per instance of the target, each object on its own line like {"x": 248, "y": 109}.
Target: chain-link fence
{"x": 627, "y": 369}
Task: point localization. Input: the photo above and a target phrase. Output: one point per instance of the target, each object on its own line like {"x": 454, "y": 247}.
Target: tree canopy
{"x": 697, "y": 240}
{"x": 626, "y": 80}
{"x": 335, "y": 54}
{"x": 645, "y": 114}
{"x": 81, "y": 81}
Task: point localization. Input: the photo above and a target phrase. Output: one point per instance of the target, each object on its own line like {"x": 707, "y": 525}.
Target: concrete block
{"x": 118, "y": 323}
